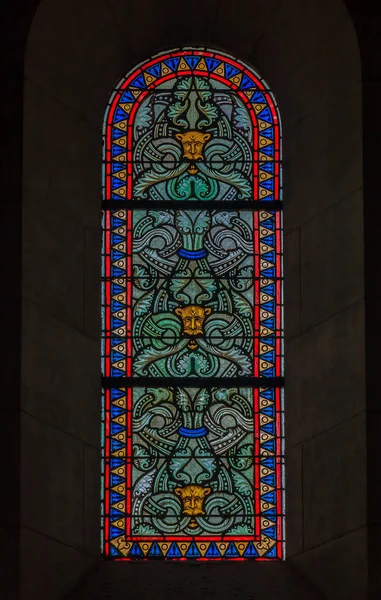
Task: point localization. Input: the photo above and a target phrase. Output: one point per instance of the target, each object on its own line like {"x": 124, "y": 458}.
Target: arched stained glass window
{"x": 192, "y": 313}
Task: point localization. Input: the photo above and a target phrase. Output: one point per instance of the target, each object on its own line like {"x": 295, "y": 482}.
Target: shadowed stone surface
{"x": 242, "y": 581}
{"x": 76, "y": 52}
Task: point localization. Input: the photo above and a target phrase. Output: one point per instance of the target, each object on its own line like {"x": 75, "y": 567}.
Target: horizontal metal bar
{"x": 190, "y": 382}
{"x": 250, "y": 205}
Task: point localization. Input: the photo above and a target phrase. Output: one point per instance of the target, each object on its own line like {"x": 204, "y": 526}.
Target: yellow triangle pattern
{"x": 236, "y": 79}
{"x": 264, "y": 176}
{"x": 258, "y": 107}
{"x": 120, "y": 506}
{"x": 120, "y": 488}
{"x": 202, "y": 547}
{"x": 165, "y": 69}
{"x": 183, "y": 66}
{"x": 120, "y": 158}
{"x": 164, "y": 547}
{"x": 263, "y": 125}
{"x": 121, "y": 402}
{"x": 122, "y": 125}
{"x": 121, "y": 141}
{"x": 145, "y": 547}
{"x": 201, "y": 65}
{"x": 120, "y": 297}
{"x": 126, "y": 106}
{"x": 120, "y": 175}
{"x": 120, "y": 331}
{"x": 220, "y": 70}
{"x": 183, "y": 547}
{"x": 149, "y": 78}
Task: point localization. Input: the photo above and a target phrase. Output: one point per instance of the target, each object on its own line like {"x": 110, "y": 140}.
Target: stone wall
{"x": 307, "y": 51}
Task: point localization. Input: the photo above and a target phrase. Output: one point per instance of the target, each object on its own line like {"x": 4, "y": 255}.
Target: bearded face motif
{"x": 192, "y": 498}
{"x": 193, "y": 319}
{"x": 193, "y": 143}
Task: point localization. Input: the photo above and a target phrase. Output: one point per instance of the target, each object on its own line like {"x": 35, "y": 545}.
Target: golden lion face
{"x": 193, "y": 319}
{"x": 193, "y": 143}
{"x": 192, "y": 497}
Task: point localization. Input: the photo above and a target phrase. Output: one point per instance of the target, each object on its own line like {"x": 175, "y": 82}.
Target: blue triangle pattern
{"x": 116, "y": 445}
{"x": 269, "y": 411}
{"x": 232, "y": 550}
{"x": 268, "y": 185}
{"x": 272, "y": 552}
{"x": 268, "y": 356}
{"x": 247, "y": 83}
{"x": 154, "y": 70}
{"x": 117, "y": 356}
{"x": 269, "y": 150}
{"x": 265, "y": 115}
{"x": 268, "y": 133}
{"x": 212, "y": 551}
{"x": 116, "y": 322}
{"x": 139, "y": 82}
{"x": 126, "y": 98}
{"x": 250, "y": 550}
{"x": 268, "y": 167}
{"x": 193, "y": 551}
{"x": 114, "y": 532}
{"x": 172, "y": 63}
{"x": 269, "y": 289}
{"x": 173, "y": 552}
{"x": 155, "y": 550}
{"x": 270, "y": 446}
{"x": 270, "y": 323}
{"x": 268, "y": 372}
{"x": 268, "y": 223}
{"x": 116, "y": 462}
{"x": 116, "y": 272}
{"x": 230, "y": 71}
{"x": 258, "y": 97}
{"x": 116, "y": 150}
{"x": 136, "y": 552}
{"x": 119, "y": 115}
{"x": 269, "y": 305}
{"x": 114, "y": 551}
{"x": 212, "y": 63}
{"x": 116, "y": 183}
{"x": 115, "y": 497}
{"x": 116, "y": 167}
{"x": 114, "y": 513}
{"x": 116, "y": 394}
{"x": 192, "y": 61}
{"x": 116, "y": 411}
{"x": 269, "y": 497}
{"x": 269, "y": 428}
{"x": 117, "y": 133}
{"x": 269, "y": 240}
{"x": 116, "y": 222}
{"x": 115, "y": 305}
{"x": 270, "y": 531}
{"x": 116, "y": 428}
{"x": 270, "y": 273}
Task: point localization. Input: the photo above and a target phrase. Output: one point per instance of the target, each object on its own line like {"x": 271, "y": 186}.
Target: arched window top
{"x": 192, "y": 340}
{"x": 193, "y": 90}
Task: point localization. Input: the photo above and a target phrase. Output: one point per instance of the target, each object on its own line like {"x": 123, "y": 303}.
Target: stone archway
{"x": 75, "y": 54}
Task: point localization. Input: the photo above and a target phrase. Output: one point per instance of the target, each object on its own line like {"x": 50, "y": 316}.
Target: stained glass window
{"x": 192, "y": 343}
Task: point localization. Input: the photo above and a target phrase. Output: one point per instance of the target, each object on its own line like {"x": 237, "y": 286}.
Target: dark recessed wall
{"x": 307, "y": 52}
